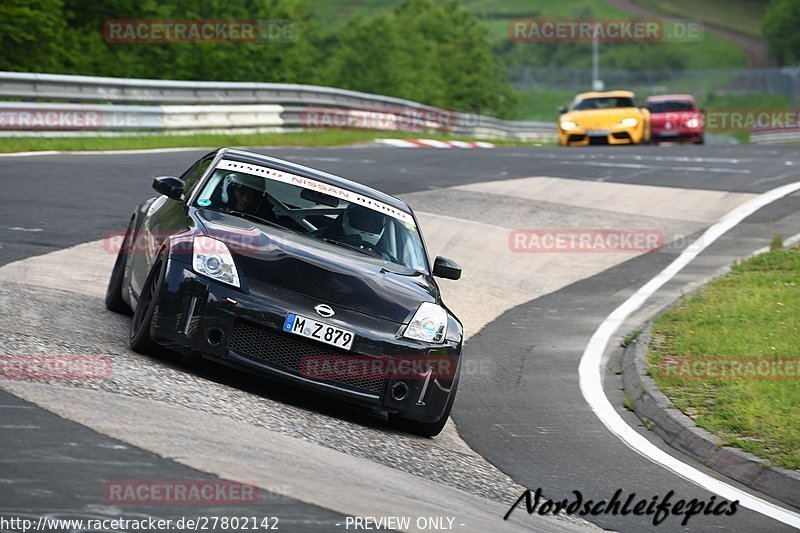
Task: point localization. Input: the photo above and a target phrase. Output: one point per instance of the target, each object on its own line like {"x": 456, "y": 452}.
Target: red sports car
{"x": 676, "y": 118}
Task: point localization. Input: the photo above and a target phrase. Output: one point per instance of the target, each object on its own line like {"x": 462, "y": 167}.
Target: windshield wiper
{"x": 257, "y": 218}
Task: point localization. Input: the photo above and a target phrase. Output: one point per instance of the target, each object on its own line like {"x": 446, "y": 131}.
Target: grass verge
{"x": 747, "y": 316}
{"x": 332, "y": 137}
{"x": 744, "y": 16}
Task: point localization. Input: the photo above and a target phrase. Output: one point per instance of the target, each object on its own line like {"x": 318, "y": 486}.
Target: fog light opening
{"x": 214, "y": 336}
{"x": 399, "y": 391}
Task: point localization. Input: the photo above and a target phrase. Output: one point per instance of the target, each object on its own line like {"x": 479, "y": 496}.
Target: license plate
{"x": 668, "y": 134}
{"x": 314, "y": 329}
{"x": 597, "y": 133}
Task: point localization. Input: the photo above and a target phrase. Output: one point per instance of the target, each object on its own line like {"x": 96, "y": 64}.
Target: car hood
{"x": 594, "y": 118}
{"x": 321, "y": 271}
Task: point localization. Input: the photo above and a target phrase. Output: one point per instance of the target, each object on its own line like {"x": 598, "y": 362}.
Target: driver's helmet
{"x": 364, "y": 222}
{"x": 234, "y": 181}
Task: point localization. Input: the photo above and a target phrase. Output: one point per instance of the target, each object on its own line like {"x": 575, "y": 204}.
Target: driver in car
{"x": 242, "y": 192}
{"x": 359, "y": 226}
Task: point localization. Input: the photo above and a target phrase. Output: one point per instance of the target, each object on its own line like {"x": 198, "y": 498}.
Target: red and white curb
{"x": 432, "y": 143}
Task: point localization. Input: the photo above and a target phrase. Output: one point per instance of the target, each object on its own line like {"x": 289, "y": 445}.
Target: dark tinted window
{"x": 193, "y": 175}
{"x": 670, "y": 106}
{"x": 604, "y": 103}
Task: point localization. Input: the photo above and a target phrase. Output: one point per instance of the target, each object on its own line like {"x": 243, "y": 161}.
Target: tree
{"x": 780, "y": 30}
{"x": 31, "y": 34}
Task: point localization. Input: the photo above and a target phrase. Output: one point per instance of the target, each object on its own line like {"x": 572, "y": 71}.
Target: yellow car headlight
{"x": 629, "y": 122}
{"x": 568, "y": 125}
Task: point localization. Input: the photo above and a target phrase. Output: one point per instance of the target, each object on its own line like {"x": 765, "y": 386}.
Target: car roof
{"x": 669, "y": 97}
{"x": 308, "y": 172}
{"x": 606, "y": 94}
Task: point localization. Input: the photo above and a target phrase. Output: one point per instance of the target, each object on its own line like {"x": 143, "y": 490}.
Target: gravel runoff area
{"x": 37, "y": 323}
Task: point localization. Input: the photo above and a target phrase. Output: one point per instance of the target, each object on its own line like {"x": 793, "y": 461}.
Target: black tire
{"x": 114, "y": 301}
{"x": 701, "y": 140}
{"x": 425, "y": 429}
{"x": 139, "y": 337}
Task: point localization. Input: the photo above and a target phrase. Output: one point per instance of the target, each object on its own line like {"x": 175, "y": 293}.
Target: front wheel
{"x": 139, "y": 338}
{"x": 425, "y": 429}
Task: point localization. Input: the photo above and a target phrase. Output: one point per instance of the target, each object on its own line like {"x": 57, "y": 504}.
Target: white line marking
{"x": 18, "y": 228}
{"x": 656, "y": 167}
{"x": 106, "y": 152}
{"x": 591, "y": 378}
{"x": 433, "y": 143}
{"x": 461, "y": 144}
{"x": 399, "y": 143}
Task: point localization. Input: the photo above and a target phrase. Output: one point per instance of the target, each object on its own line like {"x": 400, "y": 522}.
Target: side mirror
{"x": 562, "y": 110}
{"x": 169, "y": 186}
{"x": 702, "y": 110}
{"x": 446, "y": 268}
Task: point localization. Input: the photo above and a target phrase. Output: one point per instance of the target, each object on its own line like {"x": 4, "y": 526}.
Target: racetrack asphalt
{"x": 531, "y": 423}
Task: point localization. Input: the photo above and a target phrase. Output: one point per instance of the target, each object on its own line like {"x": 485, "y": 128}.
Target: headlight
{"x": 212, "y": 258}
{"x": 692, "y": 123}
{"x": 429, "y": 324}
{"x": 629, "y": 122}
{"x": 567, "y": 125}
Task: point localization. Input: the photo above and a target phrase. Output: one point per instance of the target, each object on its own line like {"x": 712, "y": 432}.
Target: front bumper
{"x": 196, "y": 315}
{"x": 677, "y": 134}
{"x": 614, "y": 135}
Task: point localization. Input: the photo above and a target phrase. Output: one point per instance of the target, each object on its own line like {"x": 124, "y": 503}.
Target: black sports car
{"x": 295, "y": 274}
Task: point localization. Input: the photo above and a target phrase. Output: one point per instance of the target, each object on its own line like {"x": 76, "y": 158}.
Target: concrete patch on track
{"x": 471, "y": 224}
{"x": 307, "y": 437}
{"x": 642, "y": 200}
{"x": 239, "y": 451}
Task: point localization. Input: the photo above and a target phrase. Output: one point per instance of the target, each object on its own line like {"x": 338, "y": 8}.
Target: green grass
{"x": 496, "y": 17}
{"x": 744, "y": 16}
{"x": 540, "y": 105}
{"x": 332, "y": 137}
{"x": 630, "y": 337}
{"x": 710, "y": 52}
{"x": 751, "y": 312}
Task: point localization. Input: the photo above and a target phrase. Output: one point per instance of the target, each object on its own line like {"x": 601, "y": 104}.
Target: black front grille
{"x": 286, "y": 353}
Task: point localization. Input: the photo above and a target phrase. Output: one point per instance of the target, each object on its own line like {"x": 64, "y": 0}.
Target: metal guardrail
{"x": 121, "y": 104}
{"x": 775, "y": 136}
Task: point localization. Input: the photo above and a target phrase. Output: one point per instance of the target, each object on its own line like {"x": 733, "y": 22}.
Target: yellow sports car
{"x": 603, "y": 118}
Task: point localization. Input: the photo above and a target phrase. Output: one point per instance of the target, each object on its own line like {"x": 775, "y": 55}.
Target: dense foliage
{"x": 436, "y": 53}
{"x": 780, "y": 30}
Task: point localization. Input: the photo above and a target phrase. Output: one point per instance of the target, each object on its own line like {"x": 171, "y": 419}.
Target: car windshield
{"x": 605, "y": 102}
{"x": 670, "y": 106}
{"x": 362, "y": 224}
